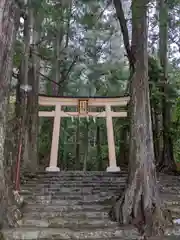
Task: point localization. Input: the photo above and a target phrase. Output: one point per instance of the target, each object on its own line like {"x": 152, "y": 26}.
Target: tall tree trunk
{"x": 167, "y": 161}
{"x": 140, "y": 203}
{"x": 58, "y": 49}
{"x": 57, "y": 64}
{"x": 124, "y": 154}
{"x": 24, "y": 79}
{"x": 65, "y": 31}
{"x": 9, "y": 20}
{"x": 33, "y": 107}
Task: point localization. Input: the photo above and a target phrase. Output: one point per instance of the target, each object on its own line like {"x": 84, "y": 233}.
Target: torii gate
{"x": 83, "y": 105}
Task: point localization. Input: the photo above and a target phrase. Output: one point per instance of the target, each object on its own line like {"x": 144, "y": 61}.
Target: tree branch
{"x": 69, "y": 70}
{"x": 49, "y": 79}
{"x": 124, "y": 30}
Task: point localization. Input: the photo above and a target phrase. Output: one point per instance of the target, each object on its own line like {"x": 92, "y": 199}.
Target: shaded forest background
{"x": 76, "y": 48}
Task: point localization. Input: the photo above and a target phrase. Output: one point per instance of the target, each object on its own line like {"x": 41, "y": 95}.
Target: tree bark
{"x": 140, "y": 203}
{"x": 23, "y": 77}
{"x": 124, "y": 30}
{"x": 167, "y": 161}
{"x": 33, "y": 107}
{"x": 9, "y": 19}
{"x": 124, "y": 151}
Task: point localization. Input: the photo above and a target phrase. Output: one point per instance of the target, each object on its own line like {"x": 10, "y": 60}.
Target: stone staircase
{"x": 75, "y": 205}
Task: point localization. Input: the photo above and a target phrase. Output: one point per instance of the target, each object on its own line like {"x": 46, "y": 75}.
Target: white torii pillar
{"x": 55, "y": 141}
{"x": 111, "y": 145}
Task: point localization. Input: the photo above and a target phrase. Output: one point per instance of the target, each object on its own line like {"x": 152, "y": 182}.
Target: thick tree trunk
{"x": 140, "y": 203}
{"x": 24, "y": 75}
{"x": 33, "y": 107}
{"x": 167, "y": 161}
{"x": 9, "y": 19}
{"x": 58, "y": 50}
{"x": 28, "y": 76}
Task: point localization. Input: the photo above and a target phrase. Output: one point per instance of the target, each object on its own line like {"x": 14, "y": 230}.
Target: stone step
{"x": 166, "y": 178}
{"x": 60, "y": 207}
{"x": 101, "y": 212}
{"x": 94, "y": 178}
{"x": 81, "y": 183}
{"x": 68, "y": 195}
{"x": 87, "y": 197}
{"x": 86, "y": 192}
{"x": 93, "y": 186}
{"x": 73, "y": 184}
{"x": 76, "y": 173}
{"x": 60, "y": 193}
{"x": 76, "y": 191}
{"x": 162, "y": 184}
{"x": 125, "y": 233}
{"x": 95, "y": 182}
{"x": 77, "y": 178}
{"x": 70, "y": 198}
{"x": 64, "y": 200}
{"x": 92, "y": 175}
{"x": 67, "y": 222}
{"x": 101, "y": 196}
{"x": 72, "y": 187}
{"x": 83, "y": 191}
{"x": 72, "y": 214}
{"x": 65, "y": 234}
{"x": 65, "y": 207}
{"x": 90, "y": 215}
{"x": 66, "y": 190}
